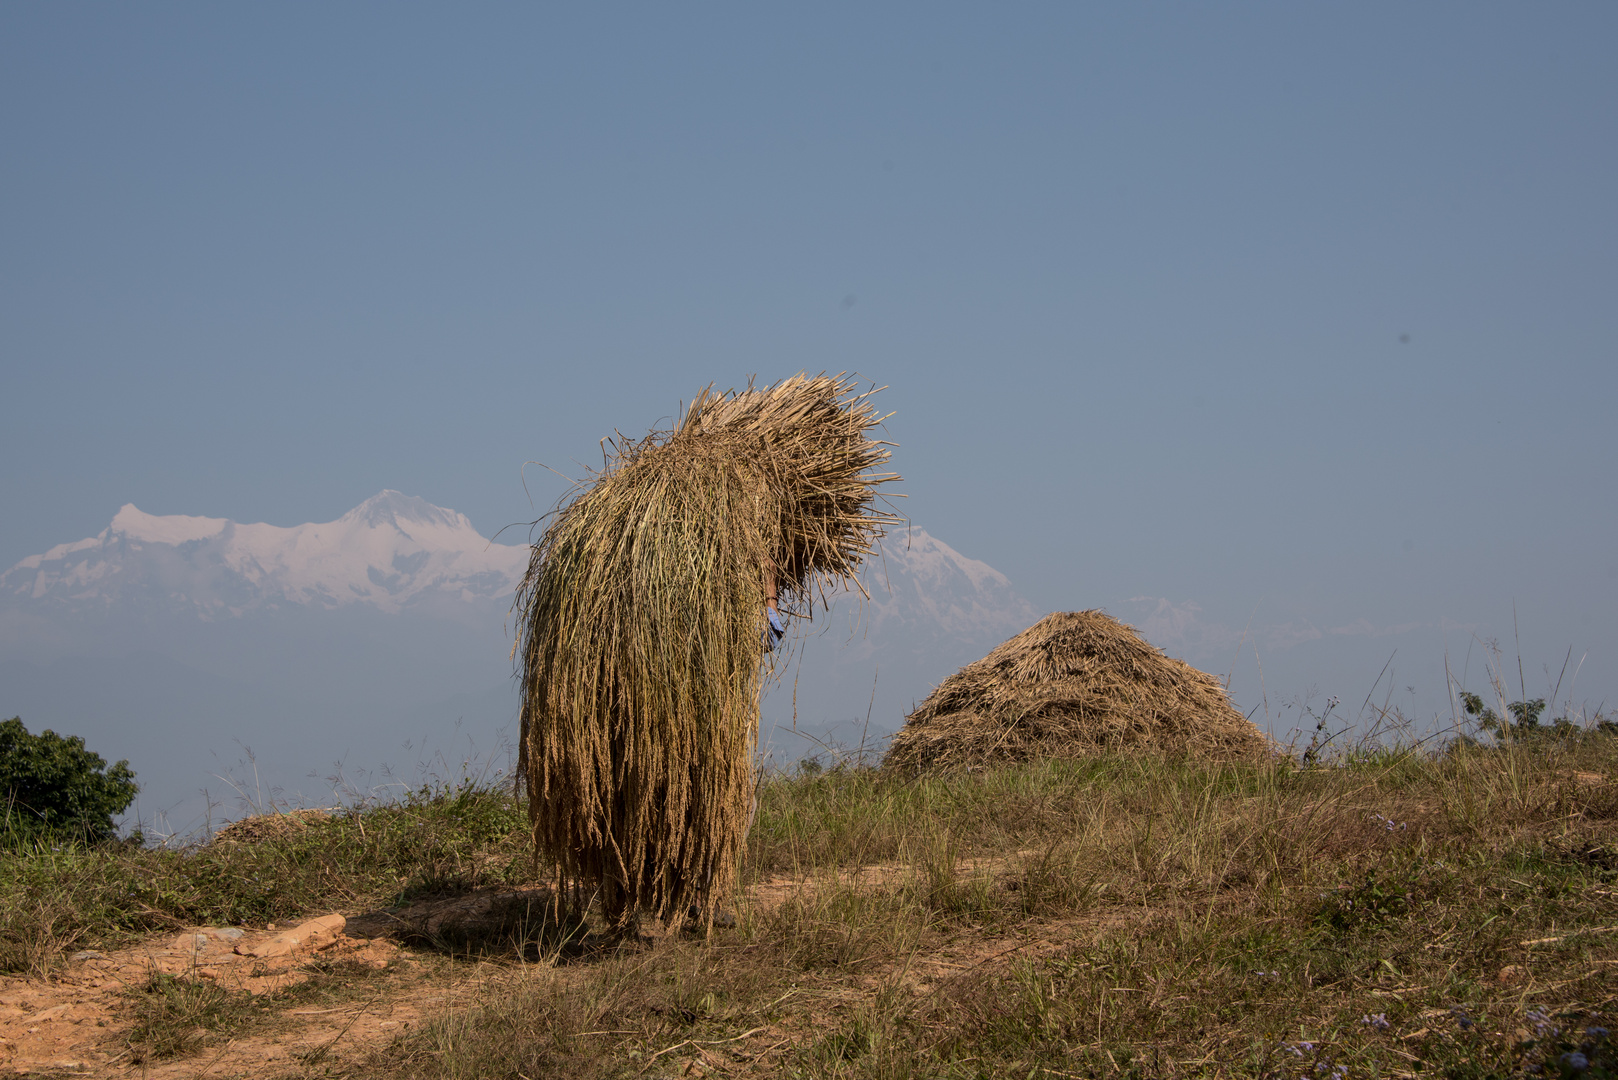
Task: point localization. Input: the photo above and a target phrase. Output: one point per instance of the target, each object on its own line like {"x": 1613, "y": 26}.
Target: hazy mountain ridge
{"x": 389, "y": 552}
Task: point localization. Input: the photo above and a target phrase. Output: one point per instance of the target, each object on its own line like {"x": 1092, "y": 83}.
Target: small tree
{"x": 52, "y": 787}
{"x": 1524, "y": 720}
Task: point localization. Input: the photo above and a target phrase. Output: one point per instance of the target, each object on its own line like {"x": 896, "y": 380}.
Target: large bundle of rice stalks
{"x": 642, "y": 631}
{"x": 1074, "y": 684}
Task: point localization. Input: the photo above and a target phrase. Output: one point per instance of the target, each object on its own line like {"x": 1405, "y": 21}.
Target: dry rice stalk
{"x": 641, "y": 631}
{"x": 1073, "y": 684}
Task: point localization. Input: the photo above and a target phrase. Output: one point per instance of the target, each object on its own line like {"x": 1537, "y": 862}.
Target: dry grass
{"x": 1116, "y": 917}
{"x": 642, "y": 622}
{"x": 1074, "y": 684}
{"x": 260, "y": 827}
{"x": 1389, "y": 912}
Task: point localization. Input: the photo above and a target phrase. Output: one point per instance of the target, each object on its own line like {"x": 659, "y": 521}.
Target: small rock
{"x": 88, "y": 954}
{"x": 311, "y": 934}
{"x": 223, "y": 933}
{"x": 56, "y": 1012}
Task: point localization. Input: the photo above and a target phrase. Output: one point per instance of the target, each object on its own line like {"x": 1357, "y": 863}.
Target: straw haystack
{"x": 641, "y": 644}
{"x": 1073, "y": 684}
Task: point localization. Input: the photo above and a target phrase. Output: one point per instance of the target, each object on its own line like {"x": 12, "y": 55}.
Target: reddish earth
{"x": 80, "y": 1020}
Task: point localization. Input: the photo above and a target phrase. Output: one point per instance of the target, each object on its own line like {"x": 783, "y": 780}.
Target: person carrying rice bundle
{"x": 647, "y": 619}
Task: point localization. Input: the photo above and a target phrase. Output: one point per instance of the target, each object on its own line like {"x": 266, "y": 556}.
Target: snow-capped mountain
{"x": 394, "y": 551}
{"x": 923, "y": 584}
{"x": 387, "y": 553}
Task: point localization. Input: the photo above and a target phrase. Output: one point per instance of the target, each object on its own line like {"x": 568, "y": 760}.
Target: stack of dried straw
{"x": 1075, "y": 683}
{"x": 641, "y": 632}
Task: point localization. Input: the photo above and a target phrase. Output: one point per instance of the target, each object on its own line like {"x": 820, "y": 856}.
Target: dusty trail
{"x": 331, "y": 989}
{"x": 80, "y": 1020}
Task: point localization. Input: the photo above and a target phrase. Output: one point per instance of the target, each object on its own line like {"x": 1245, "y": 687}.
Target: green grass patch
{"x": 176, "y": 1015}
{"x": 53, "y": 898}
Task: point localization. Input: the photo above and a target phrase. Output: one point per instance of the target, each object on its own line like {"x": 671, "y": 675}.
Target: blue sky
{"x": 1302, "y": 315}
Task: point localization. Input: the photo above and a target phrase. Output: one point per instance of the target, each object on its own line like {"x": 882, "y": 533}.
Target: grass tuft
{"x": 176, "y": 1015}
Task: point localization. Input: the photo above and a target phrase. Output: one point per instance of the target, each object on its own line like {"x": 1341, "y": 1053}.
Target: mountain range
{"x": 391, "y": 552}
{"x": 260, "y": 663}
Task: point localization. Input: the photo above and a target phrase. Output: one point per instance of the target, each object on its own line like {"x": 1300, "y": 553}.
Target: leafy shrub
{"x": 53, "y": 788}
{"x": 1372, "y": 905}
{"x": 1524, "y": 721}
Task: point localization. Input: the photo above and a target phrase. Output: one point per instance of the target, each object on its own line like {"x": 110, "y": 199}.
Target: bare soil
{"x": 80, "y": 1020}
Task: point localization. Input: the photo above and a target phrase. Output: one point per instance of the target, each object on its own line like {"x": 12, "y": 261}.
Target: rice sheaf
{"x": 641, "y": 647}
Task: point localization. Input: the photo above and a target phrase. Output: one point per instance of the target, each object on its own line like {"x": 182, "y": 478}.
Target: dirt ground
{"x": 80, "y": 1021}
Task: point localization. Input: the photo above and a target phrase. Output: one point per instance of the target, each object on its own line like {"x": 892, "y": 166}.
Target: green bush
{"x": 53, "y": 789}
